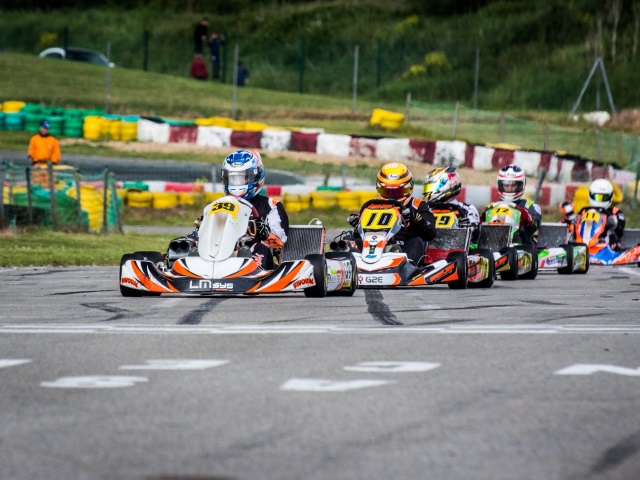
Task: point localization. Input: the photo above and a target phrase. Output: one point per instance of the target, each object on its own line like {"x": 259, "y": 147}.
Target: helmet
{"x": 566, "y": 209}
{"x": 511, "y": 182}
{"x": 243, "y": 174}
{"x": 441, "y": 184}
{"x": 395, "y": 182}
{"x": 600, "y": 193}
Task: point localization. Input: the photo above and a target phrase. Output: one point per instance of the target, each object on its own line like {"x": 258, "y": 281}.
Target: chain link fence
{"x": 60, "y": 198}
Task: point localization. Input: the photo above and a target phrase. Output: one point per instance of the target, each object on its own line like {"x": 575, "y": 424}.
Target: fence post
{"x": 114, "y": 197}
{"x": 634, "y": 202}
{"x": 65, "y": 37}
{"x": 546, "y": 136}
{"x": 145, "y": 50}
{"x": 597, "y": 139}
{"x": 223, "y": 69}
{"x": 79, "y": 207}
{"x": 379, "y": 65}
{"x": 475, "y": 81}
{"x": 52, "y": 196}
{"x": 502, "y": 127}
{"x": 356, "y": 55}
{"x": 3, "y": 222}
{"x": 455, "y": 121}
{"x": 107, "y": 80}
{"x": 301, "y": 74}
{"x": 541, "y": 177}
{"x": 105, "y": 196}
{"x": 27, "y": 175}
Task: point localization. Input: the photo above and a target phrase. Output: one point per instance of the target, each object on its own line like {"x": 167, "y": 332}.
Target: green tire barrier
{"x": 2, "y": 121}
{"x": 14, "y": 121}
{"x": 56, "y": 123}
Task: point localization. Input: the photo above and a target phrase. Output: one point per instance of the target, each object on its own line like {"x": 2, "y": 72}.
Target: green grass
{"x": 36, "y": 247}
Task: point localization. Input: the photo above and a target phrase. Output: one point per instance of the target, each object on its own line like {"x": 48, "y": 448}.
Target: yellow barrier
{"x": 115, "y": 129}
{"x": 212, "y": 197}
{"x": 92, "y": 127}
{"x": 294, "y": 202}
{"x": 348, "y": 200}
{"x": 129, "y": 131}
{"x": 191, "y": 198}
{"x": 12, "y": 106}
{"x": 91, "y": 200}
{"x": 162, "y": 200}
{"x": 386, "y": 119}
{"x": 324, "y": 199}
{"x": 139, "y": 199}
{"x": 366, "y": 195}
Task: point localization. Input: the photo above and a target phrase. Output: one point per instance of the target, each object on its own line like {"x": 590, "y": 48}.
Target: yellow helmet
{"x": 395, "y": 182}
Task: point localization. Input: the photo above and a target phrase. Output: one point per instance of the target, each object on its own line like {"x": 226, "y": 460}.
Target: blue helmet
{"x": 243, "y": 174}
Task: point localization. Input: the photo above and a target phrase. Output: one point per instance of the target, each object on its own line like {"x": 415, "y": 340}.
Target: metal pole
{"x": 475, "y": 81}
{"x": 408, "y": 107}
{"x": 634, "y": 202}
{"x": 29, "y": 194}
{"x": 78, "y": 197}
{"x": 302, "y": 60}
{"x": 52, "y": 196}
{"x": 606, "y": 84}
{"x": 145, "y": 50}
{"x": 502, "y": 127}
{"x": 223, "y": 70}
{"x": 236, "y": 54}
{"x": 2, "y": 180}
{"x": 379, "y": 65}
{"x": 598, "y": 91}
{"x": 105, "y": 217}
{"x": 597, "y": 138}
{"x": 455, "y": 121}
{"x": 107, "y": 80}
{"x": 356, "y": 54}
{"x": 546, "y": 136}
{"x": 584, "y": 87}
{"x": 65, "y": 37}
{"x": 541, "y": 177}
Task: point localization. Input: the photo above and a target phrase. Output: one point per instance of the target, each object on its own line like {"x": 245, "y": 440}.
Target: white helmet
{"x": 511, "y": 183}
{"x": 600, "y": 193}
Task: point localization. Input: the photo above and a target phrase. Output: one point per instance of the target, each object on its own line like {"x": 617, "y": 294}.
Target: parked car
{"x": 78, "y": 55}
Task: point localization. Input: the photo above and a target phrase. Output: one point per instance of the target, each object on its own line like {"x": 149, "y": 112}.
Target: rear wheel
{"x": 512, "y": 259}
{"x": 319, "y": 264}
{"x": 568, "y": 270}
{"x": 533, "y": 273}
{"x": 461, "y": 266}
{"x": 354, "y": 273}
{"x": 487, "y": 282}
{"x": 587, "y": 262}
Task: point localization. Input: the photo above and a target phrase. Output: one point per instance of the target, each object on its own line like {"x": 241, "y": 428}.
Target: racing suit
{"x": 612, "y": 235}
{"x": 467, "y": 214}
{"x": 419, "y": 227}
{"x": 273, "y": 216}
{"x": 530, "y": 218}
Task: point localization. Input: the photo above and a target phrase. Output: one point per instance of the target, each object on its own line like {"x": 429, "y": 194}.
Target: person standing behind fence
{"x": 215, "y": 42}
{"x": 199, "y": 67}
{"x": 243, "y": 75}
{"x": 44, "y": 147}
{"x": 200, "y": 34}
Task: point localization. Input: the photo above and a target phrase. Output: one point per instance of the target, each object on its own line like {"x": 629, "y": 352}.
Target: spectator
{"x": 200, "y": 34}
{"x": 44, "y": 147}
{"x": 215, "y": 42}
{"x": 199, "y": 67}
{"x": 243, "y": 74}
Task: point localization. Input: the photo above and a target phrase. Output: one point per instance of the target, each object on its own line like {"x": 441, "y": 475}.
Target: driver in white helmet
{"x": 511, "y": 183}
{"x": 601, "y": 197}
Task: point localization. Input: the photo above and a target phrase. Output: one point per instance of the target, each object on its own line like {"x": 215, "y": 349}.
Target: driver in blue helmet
{"x": 243, "y": 177}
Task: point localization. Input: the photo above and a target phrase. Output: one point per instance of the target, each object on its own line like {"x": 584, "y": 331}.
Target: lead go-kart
{"x": 220, "y": 262}
{"x": 380, "y": 262}
{"x": 591, "y": 223}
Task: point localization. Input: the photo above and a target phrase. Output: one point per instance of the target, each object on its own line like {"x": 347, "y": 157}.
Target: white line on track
{"x": 528, "y": 329}
{"x": 632, "y": 270}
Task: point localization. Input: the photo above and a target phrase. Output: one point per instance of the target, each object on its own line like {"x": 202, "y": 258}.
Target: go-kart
{"x": 480, "y": 261}
{"x": 590, "y": 225}
{"x": 220, "y": 262}
{"x": 556, "y": 251}
{"x": 380, "y": 262}
{"x": 513, "y": 260}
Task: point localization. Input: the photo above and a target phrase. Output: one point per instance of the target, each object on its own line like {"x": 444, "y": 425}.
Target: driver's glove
{"x": 525, "y": 218}
{"x": 612, "y": 222}
{"x": 262, "y": 229}
{"x": 406, "y": 215}
{"x": 464, "y": 222}
{"x": 353, "y": 219}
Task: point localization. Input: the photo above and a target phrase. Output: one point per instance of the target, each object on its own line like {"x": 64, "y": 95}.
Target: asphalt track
{"x": 534, "y": 380}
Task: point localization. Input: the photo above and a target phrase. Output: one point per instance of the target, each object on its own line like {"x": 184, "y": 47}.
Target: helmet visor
{"x": 394, "y": 191}
{"x": 510, "y": 186}
{"x": 601, "y": 197}
{"x": 236, "y": 179}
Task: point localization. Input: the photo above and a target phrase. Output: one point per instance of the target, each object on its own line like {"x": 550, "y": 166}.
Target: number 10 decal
{"x": 378, "y": 219}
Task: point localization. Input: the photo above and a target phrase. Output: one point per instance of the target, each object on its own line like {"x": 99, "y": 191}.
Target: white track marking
{"x": 392, "y": 367}
{"x": 176, "y": 365}
{"x": 94, "y": 381}
{"x": 172, "y": 329}
{"x": 590, "y": 369}
{"x": 322, "y": 385}
{"x": 12, "y": 362}
{"x": 631, "y": 270}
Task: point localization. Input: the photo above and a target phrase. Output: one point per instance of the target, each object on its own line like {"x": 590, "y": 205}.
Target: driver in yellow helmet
{"x": 395, "y": 182}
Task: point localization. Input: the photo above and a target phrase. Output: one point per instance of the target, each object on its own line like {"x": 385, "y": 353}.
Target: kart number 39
{"x": 222, "y": 206}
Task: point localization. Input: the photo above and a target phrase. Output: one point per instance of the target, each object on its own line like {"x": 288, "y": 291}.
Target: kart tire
{"x": 512, "y": 255}
{"x": 354, "y": 274}
{"x": 461, "y": 265}
{"x": 568, "y": 270}
{"x": 487, "y": 282}
{"x": 533, "y": 273}
{"x": 588, "y": 261}
{"x": 319, "y": 290}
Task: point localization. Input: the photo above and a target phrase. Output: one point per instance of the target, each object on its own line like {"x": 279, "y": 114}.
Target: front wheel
{"x": 487, "y": 282}
{"x": 568, "y": 270}
{"x": 354, "y": 272}
{"x": 512, "y": 260}
{"x": 533, "y": 273}
{"x": 319, "y": 290}
{"x": 461, "y": 266}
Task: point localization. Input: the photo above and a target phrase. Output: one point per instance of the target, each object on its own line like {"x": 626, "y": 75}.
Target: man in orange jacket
{"x": 44, "y": 147}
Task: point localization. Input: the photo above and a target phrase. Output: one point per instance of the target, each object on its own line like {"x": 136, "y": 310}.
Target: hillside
{"x": 532, "y": 55}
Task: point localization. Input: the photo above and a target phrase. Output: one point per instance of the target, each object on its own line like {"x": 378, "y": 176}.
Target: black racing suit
{"x": 273, "y": 213}
{"x": 531, "y": 216}
{"x": 419, "y": 227}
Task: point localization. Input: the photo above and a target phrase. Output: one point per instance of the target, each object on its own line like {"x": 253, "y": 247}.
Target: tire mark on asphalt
{"x": 617, "y": 454}
{"x": 194, "y": 317}
{"x": 79, "y": 291}
{"x": 378, "y": 309}
{"x": 120, "y": 313}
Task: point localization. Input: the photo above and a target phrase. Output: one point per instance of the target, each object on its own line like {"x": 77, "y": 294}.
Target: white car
{"x": 78, "y": 55}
